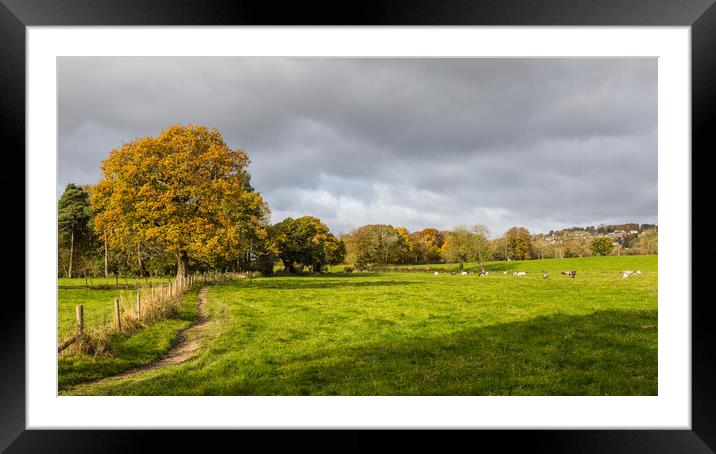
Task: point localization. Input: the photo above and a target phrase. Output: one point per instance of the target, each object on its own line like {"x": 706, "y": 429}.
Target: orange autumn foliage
{"x": 184, "y": 192}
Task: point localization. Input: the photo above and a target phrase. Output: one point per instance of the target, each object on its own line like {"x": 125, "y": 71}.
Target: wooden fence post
{"x": 117, "y": 315}
{"x": 80, "y": 316}
{"x": 139, "y": 304}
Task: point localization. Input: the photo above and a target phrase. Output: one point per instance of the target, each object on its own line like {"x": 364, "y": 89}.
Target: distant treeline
{"x": 380, "y": 244}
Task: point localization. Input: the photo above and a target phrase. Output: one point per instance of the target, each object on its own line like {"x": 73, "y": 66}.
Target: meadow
{"x": 97, "y": 300}
{"x": 413, "y": 333}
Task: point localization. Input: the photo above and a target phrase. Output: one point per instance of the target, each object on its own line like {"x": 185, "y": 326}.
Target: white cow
{"x": 519, "y": 273}
{"x": 464, "y": 273}
{"x": 436, "y": 274}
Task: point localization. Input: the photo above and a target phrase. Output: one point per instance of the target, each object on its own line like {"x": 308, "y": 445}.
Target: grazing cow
{"x": 504, "y": 272}
{"x": 436, "y": 274}
{"x": 519, "y": 273}
{"x": 464, "y": 273}
{"x": 571, "y": 274}
{"x": 628, "y": 273}
{"x": 453, "y": 273}
{"x": 545, "y": 275}
{"x": 484, "y": 273}
{"x": 625, "y": 274}
{"x": 637, "y": 272}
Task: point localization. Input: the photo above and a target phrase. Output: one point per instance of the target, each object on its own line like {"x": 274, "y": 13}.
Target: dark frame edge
{"x": 703, "y": 119}
{"x": 702, "y": 437}
{"x": 12, "y": 131}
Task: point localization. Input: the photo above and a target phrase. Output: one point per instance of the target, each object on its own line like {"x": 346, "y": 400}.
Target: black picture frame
{"x": 700, "y": 15}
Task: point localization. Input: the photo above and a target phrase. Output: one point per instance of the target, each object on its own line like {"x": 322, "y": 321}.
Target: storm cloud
{"x": 541, "y": 142}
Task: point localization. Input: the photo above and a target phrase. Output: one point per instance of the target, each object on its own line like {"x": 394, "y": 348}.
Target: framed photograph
{"x": 408, "y": 217}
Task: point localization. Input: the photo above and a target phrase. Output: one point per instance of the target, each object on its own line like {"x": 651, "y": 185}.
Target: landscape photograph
{"x": 301, "y": 226}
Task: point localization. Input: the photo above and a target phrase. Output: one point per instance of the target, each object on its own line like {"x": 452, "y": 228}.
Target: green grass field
{"x": 412, "y": 333}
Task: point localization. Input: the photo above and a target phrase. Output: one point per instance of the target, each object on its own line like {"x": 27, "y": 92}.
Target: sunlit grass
{"x": 419, "y": 334}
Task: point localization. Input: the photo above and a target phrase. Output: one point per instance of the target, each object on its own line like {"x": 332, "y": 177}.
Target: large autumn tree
{"x": 183, "y": 192}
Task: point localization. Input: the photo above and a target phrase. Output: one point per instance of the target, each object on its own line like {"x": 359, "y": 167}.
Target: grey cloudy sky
{"x": 541, "y": 143}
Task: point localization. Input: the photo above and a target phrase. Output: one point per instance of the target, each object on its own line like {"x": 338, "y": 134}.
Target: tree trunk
{"x": 72, "y": 249}
{"x": 182, "y": 269}
{"x": 106, "y": 260}
{"x": 139, "y": 260}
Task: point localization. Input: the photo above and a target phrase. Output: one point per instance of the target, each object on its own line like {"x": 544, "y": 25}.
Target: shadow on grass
{"x": 604, "y": 353}
{"x": 325, "y": 284}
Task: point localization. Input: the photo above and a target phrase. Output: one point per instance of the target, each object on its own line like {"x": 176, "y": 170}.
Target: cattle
{"x": 545, "y": 275}
{"x": 484, "y": 273}
{"x": 464, "y": 273}
{"x": 453, "y": 273}
{"x": 519, "y": 273}
{"x": 628, "y": 273}
{"x": 571, "y": 274}
{"x": 436, "y": 274}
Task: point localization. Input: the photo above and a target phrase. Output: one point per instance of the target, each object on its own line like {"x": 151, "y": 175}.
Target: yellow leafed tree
{"x": 184, "y": 192}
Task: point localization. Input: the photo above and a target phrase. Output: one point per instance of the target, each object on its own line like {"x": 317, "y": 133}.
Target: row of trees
{"x": 379, "y": 244}
{"x": 376, "y": 244}
{"x": 184, "y": 201}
